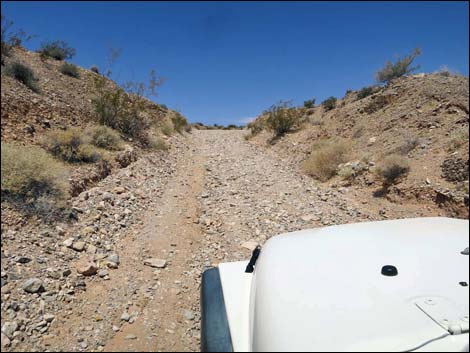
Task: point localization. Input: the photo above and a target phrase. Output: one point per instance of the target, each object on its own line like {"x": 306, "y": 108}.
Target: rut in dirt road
{"x": 223, "y": 193}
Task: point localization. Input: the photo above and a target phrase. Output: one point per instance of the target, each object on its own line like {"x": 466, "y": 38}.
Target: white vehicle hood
{"x": 322, "y": 289}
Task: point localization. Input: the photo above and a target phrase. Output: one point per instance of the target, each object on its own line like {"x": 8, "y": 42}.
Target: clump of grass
{"x": 458, "y": 139}
{"x": 69, "y": 70}
{"x": 23, "y": 74}
{"x": 30, "y": 172}
{"x": 325, "y": 158}
{"x": 71, "y": 146}
{"x": 159, "y": 144}
{"x": 392, "y": 168}
{"x": 179, "y": 122}
{"x": 104, "y": 137}
{"x": 167, "y": 129}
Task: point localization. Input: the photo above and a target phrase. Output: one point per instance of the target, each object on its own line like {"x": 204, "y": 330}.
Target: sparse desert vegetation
{"x": 69, "y": 70}
{"x": 325, "y": 158}
{"x": 23, "y": 74}
{"x": 30, "y": 172}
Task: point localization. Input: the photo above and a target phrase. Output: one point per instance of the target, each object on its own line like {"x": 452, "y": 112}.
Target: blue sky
{"x": 226, "y": 61}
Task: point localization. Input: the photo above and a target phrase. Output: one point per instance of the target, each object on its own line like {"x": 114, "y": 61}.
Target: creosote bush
{"x": 30, "y": 172}
{"x": 310, "y": 103}
{"x": 282, "y": 118}
{"x": 69, "y": 70}
{"x": 71, "y": 146}
{"x": 400, "y": 68}
{"x": 23, "y": 74}
{"x": 365, "y": 92}
{"x": 329, "y": 103}
{"x": 392, "y": 167}
{"x": 58, "y": 50}
{"x": 325, "y": 158}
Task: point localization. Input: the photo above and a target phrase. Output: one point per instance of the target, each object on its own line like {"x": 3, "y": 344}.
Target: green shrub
{"x": 309, "y": 103}
{"x": 167, "y": 129}
{"x": 23, "y": 74}
{"x": 400, "y": 68}
{"x": 329, "y": 103}
{"x": 365, "y": 92}
{"x": 69, "y": 70}
{"x": 58, "y": 50}
{"x": 392, "y": 167}
{"x": 282, "y": 118}
{"x": 104, "y": 137}
{"x": 70, "y": 145}
{"x": 31, "y": 172}
{"x": 179, "y": 122}
{"x": 325, "y": 158}
{"x": 95, "y": 69}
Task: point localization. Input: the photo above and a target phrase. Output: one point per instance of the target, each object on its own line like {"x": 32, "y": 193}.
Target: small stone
{"x": 68, "y": 242}
{"x": 119, "y": 190}
{"x": 9, "y": 328}
{"x": 23, "y": 259}
{"x": 158, "y": 263}
{"x": 86, "y": 268}
{"x": 79, "y": 246}
{"x": 114, "y": 258}
{"x": 131, "y": 337}
{"x": 250, "y": 245}
{"x": 188, "y": 314}
{"x": 125, "y": 316}
{"x": 33, "y": 285}
{"x": 116, "y": 328}
{"x": 49, "y": 317}
{"x": 103, "y": 273}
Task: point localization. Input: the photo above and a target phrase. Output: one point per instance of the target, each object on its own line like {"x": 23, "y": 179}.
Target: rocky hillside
{"x": 63, "y": 100}
{"x": 421, "y": 118}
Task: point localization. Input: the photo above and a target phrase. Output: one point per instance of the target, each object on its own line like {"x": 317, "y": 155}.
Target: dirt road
{"x": 224, "y": 195}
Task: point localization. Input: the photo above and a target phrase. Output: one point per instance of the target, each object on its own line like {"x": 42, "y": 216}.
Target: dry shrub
{"x": 325, "y": 158}
{"x": 392, "y": 167}
{"x": 31, "y": 172}
{"x": 71, "y": 146}
{"x": 104, "y": 137}
{"x": 159, "y": 144}
{"x": 167, "y": 129}
{"x": 408, "y": 145}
